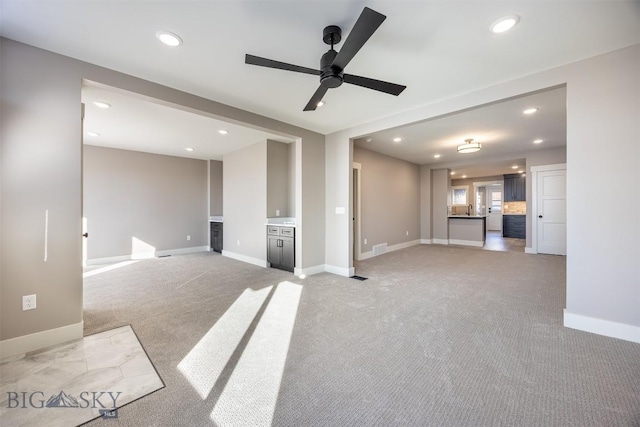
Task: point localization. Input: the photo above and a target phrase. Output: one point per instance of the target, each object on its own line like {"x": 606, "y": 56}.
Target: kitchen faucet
{"x": 469, "y": 209}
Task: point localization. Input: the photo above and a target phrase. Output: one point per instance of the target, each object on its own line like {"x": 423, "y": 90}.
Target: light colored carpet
{"x": 437, "y": 336}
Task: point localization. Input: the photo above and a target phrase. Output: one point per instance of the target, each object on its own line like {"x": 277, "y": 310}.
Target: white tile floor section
{"x": 72, "y": 376}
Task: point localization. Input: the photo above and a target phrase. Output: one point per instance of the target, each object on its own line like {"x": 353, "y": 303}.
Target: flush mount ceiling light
{"x": 101, "y": 104}
{"x": 530, "y": 111}
{"x": 93, "y": 134}
{"x": 537, "y": 141}
{"x": 469, "y": 146}
{"x": 397, "y": 139}
{"x": 504, "y": 24}
{"x": 223, "y": 132}
{"x": 169, "y": 38}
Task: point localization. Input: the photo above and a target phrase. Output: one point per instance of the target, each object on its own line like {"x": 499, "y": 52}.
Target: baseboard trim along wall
{"x": 396, "y": 247}
{"x": 530, "y": 251}
{"x": 309, "y": 271}
{"x": 340, "y": 271}
{"x": 38, "y": 340}
{"x": 466, "y": 242}
{"x": 426, "y": 241}
{"x": 440, "y": 241}
{"x": 602, "y": 327}
{"x": 146, "y": 255}
{"x": 245, "y": 258}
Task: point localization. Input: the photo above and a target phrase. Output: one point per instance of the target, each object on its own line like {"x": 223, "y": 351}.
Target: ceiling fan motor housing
{"x": 330, "y": 76}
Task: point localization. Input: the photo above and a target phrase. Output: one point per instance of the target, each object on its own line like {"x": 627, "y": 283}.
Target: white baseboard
{"x": 146, "y": 255}
{"x": 309, "y": 271}
{"x": 38, "y": 340}
{"x": 528, "y": 250}
{"x": 340, "y": 271}
{"x": 426, "y": 241}
{"x": 396, "y": 247}
{"x": 607, "y": 328}
{"x": 440, "y": 241}
{"x": 475, "y": 243}
{"x": 245, "y": 258}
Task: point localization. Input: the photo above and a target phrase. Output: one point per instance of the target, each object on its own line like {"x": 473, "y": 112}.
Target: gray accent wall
{"x": 390, "y": 199}
{"x": 216, "y": 206}
{"x": 440, "y": 200}
{"x": 132, "y": 197}
{"x": 245, "y": 201}
{"x": 277, "y": 179}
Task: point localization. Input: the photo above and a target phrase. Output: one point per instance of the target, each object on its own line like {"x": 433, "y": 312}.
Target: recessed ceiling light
{"x": 189, "y": 149}
{"x": 397, "y": 139}
{"x": 530, "y": 111}
{"x": 453, "y": 173}
{"x": 537, "y": 141}
{"x": 101, "y": 104}
{"x": 223, "y": 132}
{"x": 169, "y": 38}
{"x": 514, "y": 167}
{"x": 520, "y": 171}
{"x": 504, "y": 24}
{"x": 369, "y": 139}
{"x": 464, "y": 176}
{"x": 93, "y": 134}
{"x": 437, "y": 156}
{"x": 320, "y": 104}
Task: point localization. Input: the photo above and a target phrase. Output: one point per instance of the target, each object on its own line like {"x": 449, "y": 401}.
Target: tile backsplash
{"x": 514, "y": 208}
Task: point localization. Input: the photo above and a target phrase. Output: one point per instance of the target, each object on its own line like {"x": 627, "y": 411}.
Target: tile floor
{"x": 62, "y": 385}
{"x": 495, "y": 242}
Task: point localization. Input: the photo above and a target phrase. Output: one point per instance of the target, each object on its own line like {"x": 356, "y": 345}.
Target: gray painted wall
{"x": 41, "y": 135}
{"x": 440, "y": 197}
{"x": 156, "y": 199}
{"x": 245, "y": 201}
{"x": 216, "y": 206}
{"x": 390, "y": 196}
{"x": 277, "y": 179}
{"x": 425, "y": 203}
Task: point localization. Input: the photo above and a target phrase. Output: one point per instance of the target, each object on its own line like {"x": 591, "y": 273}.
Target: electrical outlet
{"x": 188, "y": 236}
{"x": 28, "y": 302}
{"x": 365, "y": 241}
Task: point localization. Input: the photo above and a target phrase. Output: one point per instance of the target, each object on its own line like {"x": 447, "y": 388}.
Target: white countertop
{"x": 281, "y": 222}
{"x": 468, "y": 216}
{"x": 216, "y": 219}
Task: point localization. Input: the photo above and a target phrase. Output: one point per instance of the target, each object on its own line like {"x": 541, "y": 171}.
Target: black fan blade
{"x": 379, "y": 85}
{"x": 365, "y": 26}
{"x": 317, "y": 97}
{"x": 270, "y": 63}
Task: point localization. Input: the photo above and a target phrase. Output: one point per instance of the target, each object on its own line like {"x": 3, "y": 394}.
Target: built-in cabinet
{"x": 514, "y": 226}
{"x": 216, "y": 237}
{"x": 281, "y": 247}
{"x": 515, "y": 188}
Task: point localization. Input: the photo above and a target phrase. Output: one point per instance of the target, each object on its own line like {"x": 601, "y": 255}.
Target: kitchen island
{"x": 468, "y": 230}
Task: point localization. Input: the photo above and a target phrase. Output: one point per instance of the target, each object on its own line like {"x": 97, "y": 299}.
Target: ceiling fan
{"x": 332, "y": 63}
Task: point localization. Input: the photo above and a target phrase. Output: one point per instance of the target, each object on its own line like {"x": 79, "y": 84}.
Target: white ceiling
{"x": 137, "y": 124}
{"x": 439, "y": 49}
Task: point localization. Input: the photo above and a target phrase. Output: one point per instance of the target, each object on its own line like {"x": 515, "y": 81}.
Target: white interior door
{"x": 551, "y": 215}
{"x": 494, "y": 208}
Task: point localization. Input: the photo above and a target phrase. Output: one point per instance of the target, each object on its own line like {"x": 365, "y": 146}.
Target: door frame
{"x": 534, "y": 201}
{"x": 488, "y": 184}
{"x": 356, "y": 227}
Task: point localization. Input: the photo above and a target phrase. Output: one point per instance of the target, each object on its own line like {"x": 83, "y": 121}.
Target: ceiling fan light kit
{"x": 332, "y": 63}
{"x": 469, "y": 146}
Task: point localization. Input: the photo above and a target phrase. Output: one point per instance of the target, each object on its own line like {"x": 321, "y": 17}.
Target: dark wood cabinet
{"x": 515, "y": 188}
{"x": 216, "y": 237}
{"x": 281, "y": 247}
{"x": 514, "y": 226}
